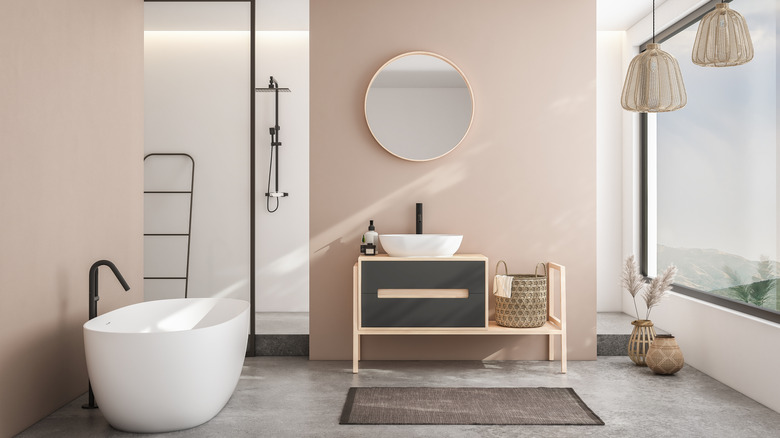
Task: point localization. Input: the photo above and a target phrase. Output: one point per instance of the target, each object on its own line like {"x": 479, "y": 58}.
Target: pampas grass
{"x": 634, "y": 283}
{"x": 633, "y": 280}
{"x": 658, "y": 287}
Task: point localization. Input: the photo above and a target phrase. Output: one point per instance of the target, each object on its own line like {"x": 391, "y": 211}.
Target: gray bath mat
{"x": 527, "y": 406}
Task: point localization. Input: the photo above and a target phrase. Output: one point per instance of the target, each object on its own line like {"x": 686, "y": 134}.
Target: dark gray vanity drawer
{"x": 465, "y": 277}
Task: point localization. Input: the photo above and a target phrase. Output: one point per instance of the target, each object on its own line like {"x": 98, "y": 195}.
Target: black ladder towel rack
{"x": 189, "y": 218}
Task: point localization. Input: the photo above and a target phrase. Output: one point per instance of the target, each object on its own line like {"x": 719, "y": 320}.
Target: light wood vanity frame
{"x": 555, "y": 325}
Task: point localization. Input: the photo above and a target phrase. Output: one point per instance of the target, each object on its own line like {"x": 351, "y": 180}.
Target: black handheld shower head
{"x": 275, "y": 143}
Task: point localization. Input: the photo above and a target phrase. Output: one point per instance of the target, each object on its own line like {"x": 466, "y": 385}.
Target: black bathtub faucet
{"x": 419, "y": 218}
{"x": 93, "y": 284}
{"x": 93, "y": 299}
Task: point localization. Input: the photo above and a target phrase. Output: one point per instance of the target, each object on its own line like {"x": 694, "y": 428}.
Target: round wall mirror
{"x": 419, "y": 106}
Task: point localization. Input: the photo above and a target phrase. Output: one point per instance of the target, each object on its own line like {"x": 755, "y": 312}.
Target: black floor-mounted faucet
{"x": 93, "y": 284}
{"x": 93, "y": 299}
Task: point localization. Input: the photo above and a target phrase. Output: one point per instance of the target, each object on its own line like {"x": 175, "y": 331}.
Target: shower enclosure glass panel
{"x": 197, "y": 101}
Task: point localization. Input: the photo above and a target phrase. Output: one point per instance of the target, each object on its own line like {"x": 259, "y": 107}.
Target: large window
{"x": 712, "y": 186}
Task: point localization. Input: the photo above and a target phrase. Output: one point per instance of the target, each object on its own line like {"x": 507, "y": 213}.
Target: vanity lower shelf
{"x": 554, "y": 326}
{"x": 549, "y": 328}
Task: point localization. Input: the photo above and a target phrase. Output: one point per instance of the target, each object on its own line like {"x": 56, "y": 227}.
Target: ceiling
{"x": 622, "y": 14}
{"x": 272, "y": 15}
{"x": 618, "y": 15}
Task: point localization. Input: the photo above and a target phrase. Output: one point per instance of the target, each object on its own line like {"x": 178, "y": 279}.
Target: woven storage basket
{"x": 528, "y": 305}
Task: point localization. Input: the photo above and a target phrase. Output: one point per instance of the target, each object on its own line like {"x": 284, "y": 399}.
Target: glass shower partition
{"x": 197, "y": 102}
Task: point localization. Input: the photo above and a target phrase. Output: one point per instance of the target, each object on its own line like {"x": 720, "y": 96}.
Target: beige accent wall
{"x": 521, "y": 187}
{"x": 71, "y": 182}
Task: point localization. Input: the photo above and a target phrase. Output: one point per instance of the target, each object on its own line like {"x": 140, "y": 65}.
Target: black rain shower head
{"x": 273, "y": 86}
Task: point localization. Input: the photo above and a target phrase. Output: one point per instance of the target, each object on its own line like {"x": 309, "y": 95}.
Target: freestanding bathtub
{"x": 166, "y": 365}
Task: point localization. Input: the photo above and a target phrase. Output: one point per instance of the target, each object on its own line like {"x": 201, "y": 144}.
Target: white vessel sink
{"x": 420, "y": 245}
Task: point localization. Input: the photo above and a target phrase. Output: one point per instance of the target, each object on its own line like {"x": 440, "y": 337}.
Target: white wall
{"x": 736, "y": 349}
{"x": 609, "y": 170}
{"x": 282, "y": 243}
{"x": 739, "y": 350}
{"x": 282, "y": 240}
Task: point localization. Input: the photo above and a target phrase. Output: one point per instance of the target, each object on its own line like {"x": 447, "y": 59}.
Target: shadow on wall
{"x": 450, "y": 175}
{"x": 427, "y": 185}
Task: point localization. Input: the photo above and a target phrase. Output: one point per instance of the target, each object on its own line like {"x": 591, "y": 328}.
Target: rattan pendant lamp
{"x": 723, "y": 39}
{"x": 653, "y": 81}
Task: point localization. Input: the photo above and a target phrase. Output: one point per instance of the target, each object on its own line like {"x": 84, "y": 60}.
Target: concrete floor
{"x": 298, "y": 323}
{"x": 295, "y": 397}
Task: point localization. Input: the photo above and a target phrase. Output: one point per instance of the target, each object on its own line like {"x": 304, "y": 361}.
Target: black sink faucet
{"x": 419, "y": 218}
{"x": 93, "y": 299}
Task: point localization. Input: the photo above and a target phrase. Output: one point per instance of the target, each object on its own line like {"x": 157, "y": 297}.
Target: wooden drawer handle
{"x": 422, "y": 293}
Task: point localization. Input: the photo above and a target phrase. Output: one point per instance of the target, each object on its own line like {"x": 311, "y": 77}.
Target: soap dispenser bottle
{"x": 370, "y": 240}
{"x": 371, "y": 235}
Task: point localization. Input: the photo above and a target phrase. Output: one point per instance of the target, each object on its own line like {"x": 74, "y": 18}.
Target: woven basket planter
{"x": 528, "y": 305}
{"x": 641, "y": 338}
{"x": 664, "y": 355}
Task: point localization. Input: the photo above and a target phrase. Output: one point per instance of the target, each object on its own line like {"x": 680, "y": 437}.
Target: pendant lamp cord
{"x": 653, "y": 21}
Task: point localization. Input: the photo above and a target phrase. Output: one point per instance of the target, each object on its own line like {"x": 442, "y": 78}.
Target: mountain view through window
{"x": 717, "y": 186}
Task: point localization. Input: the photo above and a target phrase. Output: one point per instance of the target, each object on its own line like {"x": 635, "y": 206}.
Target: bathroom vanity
{"x": 438, "y": 296}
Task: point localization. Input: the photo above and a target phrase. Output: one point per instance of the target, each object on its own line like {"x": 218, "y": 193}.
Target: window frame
{"x": 738, "y": 306}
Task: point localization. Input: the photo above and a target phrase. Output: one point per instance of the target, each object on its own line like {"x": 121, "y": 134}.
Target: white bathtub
{"x": 166, "y": 365}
